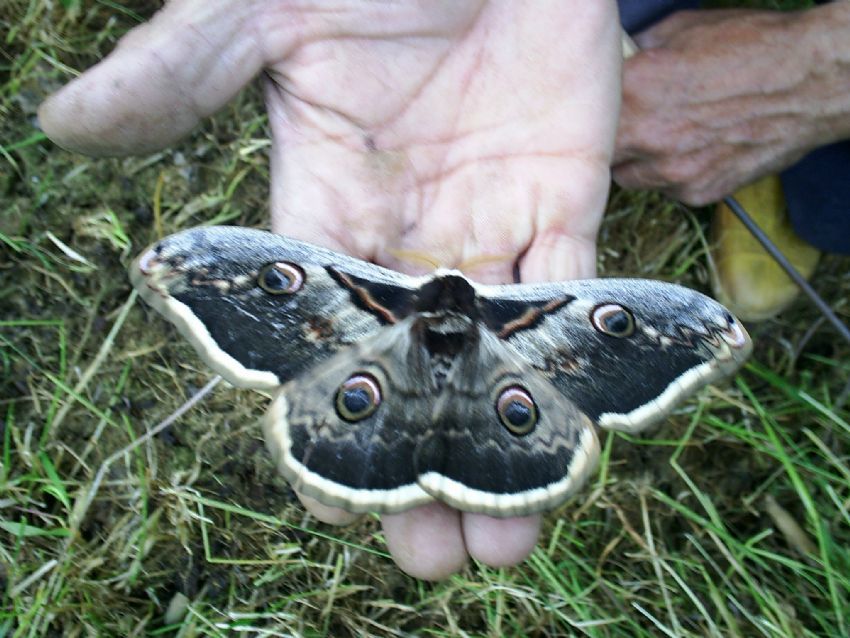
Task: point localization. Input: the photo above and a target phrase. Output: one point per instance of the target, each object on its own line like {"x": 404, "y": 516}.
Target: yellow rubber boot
{"x": 747, "y": 279}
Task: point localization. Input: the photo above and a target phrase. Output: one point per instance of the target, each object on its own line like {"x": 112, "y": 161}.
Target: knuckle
{"x": 680, "y": 172}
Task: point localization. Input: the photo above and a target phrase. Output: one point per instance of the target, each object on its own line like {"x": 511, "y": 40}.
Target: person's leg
{"x": 637, "y": 15}
{"x": 817, "y": 190}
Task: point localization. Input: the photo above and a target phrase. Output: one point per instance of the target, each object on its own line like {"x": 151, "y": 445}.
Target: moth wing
{"x": 681, "y": 340}
{"x": 473, "y": 461}
{"x": 206, "y": 282}
{"x": 359, "y": 466}
{"x": 420, "y": 443}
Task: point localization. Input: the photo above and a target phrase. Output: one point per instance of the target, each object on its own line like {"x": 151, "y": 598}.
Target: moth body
{"x": 392, "y": 391}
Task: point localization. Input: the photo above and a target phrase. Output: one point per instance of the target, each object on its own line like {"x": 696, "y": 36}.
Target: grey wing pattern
{"x": 207, "y": 282}
{"x": 679, "y": 341}
{"x": 422, "y": 444}
{"x": 364, "y": 465}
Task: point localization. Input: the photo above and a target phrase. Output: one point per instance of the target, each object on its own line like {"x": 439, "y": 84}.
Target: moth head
{"x": 516, "y": 410}
{"x": 613, "y": 320}
{"x": 358, "y": 397}
{"x": 280, "y": 278}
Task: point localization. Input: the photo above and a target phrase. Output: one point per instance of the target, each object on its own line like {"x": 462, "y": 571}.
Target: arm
{"x": 718, "y": 99}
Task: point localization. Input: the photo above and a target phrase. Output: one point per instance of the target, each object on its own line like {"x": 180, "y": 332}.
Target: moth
{"x": 391, "y": 391}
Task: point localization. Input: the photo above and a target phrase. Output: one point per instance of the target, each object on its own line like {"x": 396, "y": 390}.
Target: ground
{"x": 731, "y": 519}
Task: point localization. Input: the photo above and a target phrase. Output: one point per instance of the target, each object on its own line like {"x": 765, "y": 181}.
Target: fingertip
{"x": 634, "y": 175}
{"x": 124, "y": 105}
{"x": 162, "y": 78}
{"x": 555, "y": 256}
{"x": 655, "y": 35}
{"x": 500, "y": 542}
{"x": 325, "y": 514}
{"x": 59, "y": 117}
{"x": 644, "y": 40}
{"x": 427, "y": 541}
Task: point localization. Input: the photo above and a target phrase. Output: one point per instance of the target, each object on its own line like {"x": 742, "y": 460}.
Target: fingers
{"x": 658, "y": 34}
{"x": 500, "y": 542}
{"x": 434, "y": 541}
{"x": 564, "y": 246}
{"x": 649, "y": 174}
{"x": 696, "y": 178}
{"x": 426, "y": 542}
{"x": 646, "y": 87}
{"x": 556, "y": 255}
{"x": 637, "y": 174}
{"x": 326, "y": 514}
{"x": 162, "y": 78}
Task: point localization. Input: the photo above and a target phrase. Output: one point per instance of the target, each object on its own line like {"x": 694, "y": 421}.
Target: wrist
{"x": 825, "y": 36}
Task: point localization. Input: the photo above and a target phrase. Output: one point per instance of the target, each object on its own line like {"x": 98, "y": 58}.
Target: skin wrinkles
{"x": 420, "y": 206}
{"x": 362, "y": 124}
{"x": 286, "y": 29}
{"x": 708, "y": 107}
{"x": 334, "y": 193}
{"x": 521, "y": 217}
{"x": 404, "y": 95}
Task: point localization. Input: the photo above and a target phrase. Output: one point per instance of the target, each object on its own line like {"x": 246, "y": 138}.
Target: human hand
{"x": 460, "y": 130}
{"x": 717, "y": 99}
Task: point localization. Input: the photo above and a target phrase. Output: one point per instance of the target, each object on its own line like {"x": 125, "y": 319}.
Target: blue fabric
{"x": 637, "y": 15}
{"x": 817, "y": 188}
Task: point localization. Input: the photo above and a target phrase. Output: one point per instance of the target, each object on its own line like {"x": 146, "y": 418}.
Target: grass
{"x": 733, "y": 519}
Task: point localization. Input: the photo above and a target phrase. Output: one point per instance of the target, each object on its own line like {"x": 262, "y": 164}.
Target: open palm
{"x": 460, "y": 130}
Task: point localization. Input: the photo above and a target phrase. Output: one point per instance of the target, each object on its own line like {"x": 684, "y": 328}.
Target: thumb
{"x": 159, "y": 82}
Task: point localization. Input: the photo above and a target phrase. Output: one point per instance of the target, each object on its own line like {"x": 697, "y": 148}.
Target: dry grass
{"x": 734, "y": 521}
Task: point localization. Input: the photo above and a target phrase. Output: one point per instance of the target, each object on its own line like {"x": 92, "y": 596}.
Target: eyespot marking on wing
{"x": 358, "y": 397}
{"x": 281, "y": 278}
{"x": 613, "y": 320}
{"x": 517, "y": 410}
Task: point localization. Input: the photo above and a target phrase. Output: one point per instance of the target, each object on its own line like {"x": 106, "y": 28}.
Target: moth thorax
{"x": 447, "y": 292}
{"x": 446, "y": 334}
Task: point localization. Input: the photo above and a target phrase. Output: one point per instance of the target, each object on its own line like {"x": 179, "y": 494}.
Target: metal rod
{"x": 798, "y": 279}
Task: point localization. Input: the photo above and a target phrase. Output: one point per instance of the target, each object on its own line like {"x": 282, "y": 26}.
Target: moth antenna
{"x": 415, "y": 257}
{"x": 483, "y": 260}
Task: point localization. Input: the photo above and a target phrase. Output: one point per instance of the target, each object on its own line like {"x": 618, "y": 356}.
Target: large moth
{"x": 392, "y": 391}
